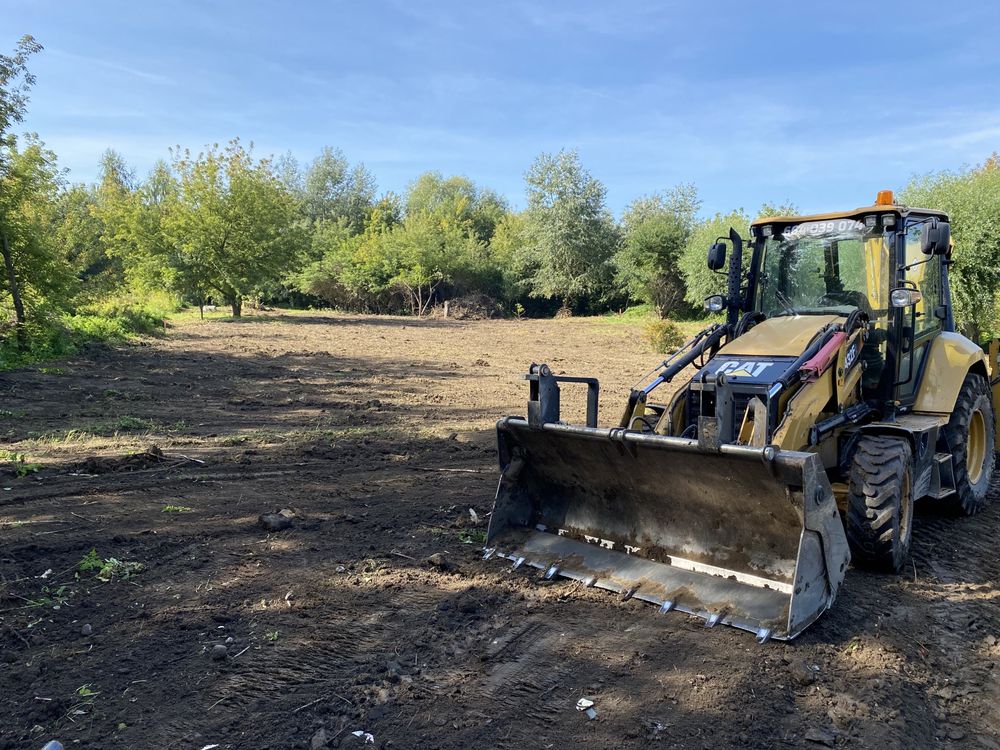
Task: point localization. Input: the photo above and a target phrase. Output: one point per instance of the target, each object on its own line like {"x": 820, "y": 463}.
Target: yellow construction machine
{"x": 835, "y": 395}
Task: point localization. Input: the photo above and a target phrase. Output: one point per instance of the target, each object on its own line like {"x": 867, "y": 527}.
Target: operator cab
{"x": 886, "y": 262}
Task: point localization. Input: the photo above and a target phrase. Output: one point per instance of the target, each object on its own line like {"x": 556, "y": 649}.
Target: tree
{"x": 971, "y": 198}
{"x": 333, "y": 190}
{"x": 81, "y": 234}
{"x": 508, "y": 257}
{"x": 655, "y": 231}
{"x": 570, "y": 234}
{"x": 137, "y": 224}
{"x": 35, "y": 272}
{"x": 15, "y": 83}
{"x": 233, "y": 220}
{"x": 456, "y": 199}
{"x": 430, "y": 250}
{"x": 355, "y": 271}
{"x": 699, "y": 280}
{"x": 456, "y": 220}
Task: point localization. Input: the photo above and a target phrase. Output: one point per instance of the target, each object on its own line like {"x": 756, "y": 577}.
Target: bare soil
{"x": 374, "y": 611}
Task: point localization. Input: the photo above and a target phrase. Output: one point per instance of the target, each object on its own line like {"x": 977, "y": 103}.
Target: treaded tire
{"x": 880, "y": 503}
{"x": 970, "y": 496}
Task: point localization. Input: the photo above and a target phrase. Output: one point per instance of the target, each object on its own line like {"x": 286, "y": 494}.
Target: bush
{"x": 52, "y": 333}
{"x": 664, "y": 336}
{"x": 121, "y": 316}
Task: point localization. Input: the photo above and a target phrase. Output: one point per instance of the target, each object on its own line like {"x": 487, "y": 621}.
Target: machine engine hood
{"x": 784, "y": 336}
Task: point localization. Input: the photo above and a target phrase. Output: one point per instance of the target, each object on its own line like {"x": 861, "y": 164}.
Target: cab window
{"x": 924, "y": 272}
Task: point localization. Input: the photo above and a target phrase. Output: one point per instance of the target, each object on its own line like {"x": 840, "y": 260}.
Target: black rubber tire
{"x": 880, "y": 503}
{"x": 970, "y": 497}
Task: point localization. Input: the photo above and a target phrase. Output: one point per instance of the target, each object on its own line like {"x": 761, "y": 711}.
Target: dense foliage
{"x": 227, "y": 227}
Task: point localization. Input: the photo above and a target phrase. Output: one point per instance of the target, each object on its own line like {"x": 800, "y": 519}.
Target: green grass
{"x": 643, "y": 315}
{"x": 633, "y": 316}
{"x": 177, "y": 508}
{"x": 222, "y": 312}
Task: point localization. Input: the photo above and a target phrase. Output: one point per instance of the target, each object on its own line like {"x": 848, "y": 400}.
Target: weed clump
{"x": 664, "y": 336}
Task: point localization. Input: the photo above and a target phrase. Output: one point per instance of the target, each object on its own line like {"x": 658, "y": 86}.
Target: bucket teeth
{"x": 713, "y": 619}
{"x": 667, "y": 606}
{"x": 763, "y": 635}
{"x": 628, "y": 594}
{"x": 551, "y": 573}
{"x": 489, "y": 552}
{"x": 519, "y": 562}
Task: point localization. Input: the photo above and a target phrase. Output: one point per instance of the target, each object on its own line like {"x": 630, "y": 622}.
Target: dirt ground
{"x": 377, "y": 433}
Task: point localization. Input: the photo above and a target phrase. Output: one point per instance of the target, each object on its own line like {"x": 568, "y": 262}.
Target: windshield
{"x": 825, "y": 268}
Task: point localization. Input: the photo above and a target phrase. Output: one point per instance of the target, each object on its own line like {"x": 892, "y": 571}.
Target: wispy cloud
{"x": 112, "y": 66}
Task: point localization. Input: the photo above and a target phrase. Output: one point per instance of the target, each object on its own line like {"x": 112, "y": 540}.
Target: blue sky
{"x": 820, "y": 104}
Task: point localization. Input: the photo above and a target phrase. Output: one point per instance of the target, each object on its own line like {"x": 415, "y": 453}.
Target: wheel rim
{"x": 975, "y": 448}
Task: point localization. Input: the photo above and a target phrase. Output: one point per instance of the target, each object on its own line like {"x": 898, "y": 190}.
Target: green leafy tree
{"x": 139, "y": 224}
{"x": 655, "y": 231}
{"x": 971, "y": 198}
{"x": 458, "y": 201}
{"x": 111, "y": 204}
{"x": 333, "y": 190}
{"x": 456, "y": 220}
{"x": 15, "y": 83}
{"x": 570, "y": 235}
{"x": 430, "y": 250}
{"x": 355, "y": 271}
{"x": 80, "y": 234}
{"x": 508, "y": 256}
{"x": 234, "y": 221}
{"x": 36, "y": 273}
{"x": 699, "y": 280}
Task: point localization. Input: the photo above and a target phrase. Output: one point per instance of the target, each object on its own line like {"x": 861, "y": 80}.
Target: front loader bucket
{"x": 749, "y": 537}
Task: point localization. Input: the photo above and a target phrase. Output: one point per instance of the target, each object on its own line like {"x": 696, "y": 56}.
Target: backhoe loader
{"x": 833, "y": 393}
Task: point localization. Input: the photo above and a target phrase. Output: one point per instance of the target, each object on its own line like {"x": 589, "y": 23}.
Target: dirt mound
{"x": 471, "y": 307}
{"x": 146, "y": 459}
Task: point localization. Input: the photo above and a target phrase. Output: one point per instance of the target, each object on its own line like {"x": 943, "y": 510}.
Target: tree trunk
{"x": 237, "y": 304}
{"x": 970, "y": 329}
{"x": 15, "y": 294}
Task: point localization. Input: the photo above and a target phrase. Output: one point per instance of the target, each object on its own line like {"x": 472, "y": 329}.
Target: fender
{"x": 951, "y": 358}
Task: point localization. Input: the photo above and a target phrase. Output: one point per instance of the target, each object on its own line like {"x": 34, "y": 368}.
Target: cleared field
{"x": 377, "y": 433}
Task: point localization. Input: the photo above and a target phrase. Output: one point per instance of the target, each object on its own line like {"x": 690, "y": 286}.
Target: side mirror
{"x": 715, "y": 303}
{"x": 716, "y": 256}
{"x": 936, "y": 237}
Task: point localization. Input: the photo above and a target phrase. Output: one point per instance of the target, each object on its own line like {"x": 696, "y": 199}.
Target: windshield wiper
{"x": 785, "y": 302}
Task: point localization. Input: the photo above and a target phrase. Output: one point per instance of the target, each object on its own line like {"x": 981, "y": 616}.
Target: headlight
{"x": 905, "y": 297}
